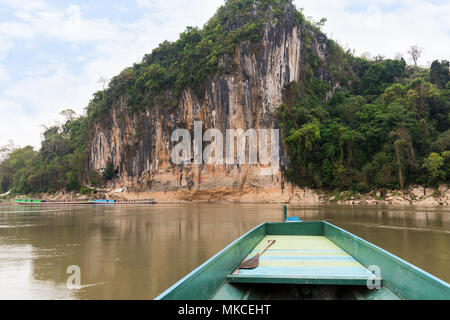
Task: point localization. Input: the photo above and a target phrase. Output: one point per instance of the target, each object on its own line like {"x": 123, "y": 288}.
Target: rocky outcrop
{"x": 245, "y": 96}
{"x": 414, "y": 195}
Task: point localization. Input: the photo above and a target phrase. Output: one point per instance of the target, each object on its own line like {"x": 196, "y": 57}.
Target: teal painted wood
{"x": 281, "y": 251}
{"x": 103, "y": 201}
{"x": 229, "y": 292}
{"x": 295, "y": 228}
{"x": 403, "y": 278}
{"x": 295, "y": 280}
{"x": 27, "y": 201}
{"x": 293, "y": 219}
{"x": 385, "y": 293}
{"x": 400, "y": 279}
{"x": 305, "y": 275}
{"x": 307, "y": 272}
{"x": 204, "y": 282}
{"x": 304, "y": 259}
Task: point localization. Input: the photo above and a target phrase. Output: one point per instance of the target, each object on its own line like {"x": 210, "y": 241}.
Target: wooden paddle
{"x": 253, "y": 263}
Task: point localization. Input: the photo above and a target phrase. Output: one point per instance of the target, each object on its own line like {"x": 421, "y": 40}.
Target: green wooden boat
{"x": 309, "y": 260}
{"x": 27, "y": 201}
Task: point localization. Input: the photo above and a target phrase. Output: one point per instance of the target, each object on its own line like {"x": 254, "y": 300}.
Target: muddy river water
{"x": 137, "y": 252}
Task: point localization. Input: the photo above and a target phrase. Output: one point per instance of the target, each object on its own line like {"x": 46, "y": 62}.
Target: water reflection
{"x": 138, "y": 252}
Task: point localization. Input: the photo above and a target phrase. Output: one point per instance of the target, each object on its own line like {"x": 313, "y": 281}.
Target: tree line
{"x": 390, "y": 129}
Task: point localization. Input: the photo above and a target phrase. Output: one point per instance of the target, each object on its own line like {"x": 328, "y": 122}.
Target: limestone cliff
{"x": 245, "y": 95}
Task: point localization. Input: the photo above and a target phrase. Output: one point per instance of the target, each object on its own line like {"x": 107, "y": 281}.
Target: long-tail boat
{"x": 306, "y": 260}
{"x": 34, "y": 202}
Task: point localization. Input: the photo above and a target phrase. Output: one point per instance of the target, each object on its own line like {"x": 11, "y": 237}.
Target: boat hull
{"x": 88, "y": 202}
{"x": 216, "y": 278}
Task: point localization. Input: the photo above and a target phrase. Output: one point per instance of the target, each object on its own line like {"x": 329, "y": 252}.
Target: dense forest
{"x": 389, "y": 130}
{"x": 386, "y": 125}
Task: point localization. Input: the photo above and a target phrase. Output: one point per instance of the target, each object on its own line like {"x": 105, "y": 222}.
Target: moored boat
{"x": 34, "y": 202}
{"x": 307, "y": 260}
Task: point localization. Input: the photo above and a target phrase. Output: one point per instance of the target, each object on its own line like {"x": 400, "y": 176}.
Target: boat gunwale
{"x": 392, "y": 258}
{"x": 213, "y": 260}
{"x": 437, "y": 285}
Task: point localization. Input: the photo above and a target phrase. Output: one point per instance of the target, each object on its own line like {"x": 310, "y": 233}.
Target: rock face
{"x": 245, "y": 96}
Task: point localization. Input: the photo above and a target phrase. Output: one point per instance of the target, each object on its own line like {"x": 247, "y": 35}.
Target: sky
{"x": 54, "y": 52}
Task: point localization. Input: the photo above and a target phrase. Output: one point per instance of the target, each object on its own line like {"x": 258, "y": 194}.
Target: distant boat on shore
{"x": 32, "y": 202}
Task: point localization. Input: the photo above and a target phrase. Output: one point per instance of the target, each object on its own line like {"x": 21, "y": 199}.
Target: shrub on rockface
{"x": 109, "y": 171}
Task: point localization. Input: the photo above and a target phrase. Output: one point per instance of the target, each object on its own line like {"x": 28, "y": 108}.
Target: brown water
{"x": 138, "y": 252}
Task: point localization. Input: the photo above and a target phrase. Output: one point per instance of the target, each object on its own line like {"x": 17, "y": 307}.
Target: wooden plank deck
{"x": 303, "y": 260}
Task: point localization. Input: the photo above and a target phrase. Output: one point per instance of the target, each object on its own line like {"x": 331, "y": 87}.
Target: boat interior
{"x": 301, "y": 292}
{"x": 301, "y": 267}
{"x": 307, "y": 260}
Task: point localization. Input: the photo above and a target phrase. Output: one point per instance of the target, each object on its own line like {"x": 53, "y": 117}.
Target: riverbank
{"x": 417, "y": 195}
{"x": 414, "y": 195}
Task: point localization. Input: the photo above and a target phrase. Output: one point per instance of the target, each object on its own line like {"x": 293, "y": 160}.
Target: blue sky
{"x": 52, "y": 53}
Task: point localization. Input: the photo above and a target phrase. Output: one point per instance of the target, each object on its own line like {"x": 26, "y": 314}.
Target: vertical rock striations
{"x": 246, "y": 95}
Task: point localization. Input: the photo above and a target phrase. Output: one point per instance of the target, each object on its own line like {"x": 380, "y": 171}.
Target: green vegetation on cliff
{"x": 189, "y": 61}
{"x": 350, "y": 123}
{"x": 59, "y": 164}
{"x": 389, "y": 130}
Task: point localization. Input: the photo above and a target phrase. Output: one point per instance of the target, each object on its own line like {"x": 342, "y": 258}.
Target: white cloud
{"x": 44, "y": 91}
{"x": 5, "y": 46}
{"x": 144, "y": 3}
{"x": 372, "y": 29}
{"x": 25, "y": 5}
{"x": 16, "y": 125}
{"x": 37, "y": 100}
{"x": 65, "y": 25}
{"x": 4, "y": 76}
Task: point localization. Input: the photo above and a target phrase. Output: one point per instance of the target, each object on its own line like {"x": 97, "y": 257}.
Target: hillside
{"x": 347, "y": 123}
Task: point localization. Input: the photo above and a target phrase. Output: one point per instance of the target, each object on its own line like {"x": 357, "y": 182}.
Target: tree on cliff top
{"x": 416, "y": 53}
